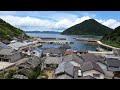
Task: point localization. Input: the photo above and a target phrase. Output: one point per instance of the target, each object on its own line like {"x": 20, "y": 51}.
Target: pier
{"x": 87, "y": 39}
{"x": 53, "y": 38}
{"x": 56, "y": 41}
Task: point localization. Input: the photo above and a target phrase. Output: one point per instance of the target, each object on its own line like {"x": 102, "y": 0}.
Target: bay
{"x": 76, "y": 46}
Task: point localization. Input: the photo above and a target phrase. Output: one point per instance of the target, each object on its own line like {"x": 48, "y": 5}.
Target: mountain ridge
{"x": 7, "y": 31}
{"x": 112, "y": 38}
{"x": 87, "y": 27}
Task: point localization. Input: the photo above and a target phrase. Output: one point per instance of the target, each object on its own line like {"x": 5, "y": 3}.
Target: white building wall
{"x": 91, "y": 72}
{"x": 103, "y": 66}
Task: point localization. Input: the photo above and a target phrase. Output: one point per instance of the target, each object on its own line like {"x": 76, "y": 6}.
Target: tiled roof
{"x": 113, "y": 62}
{"x": 53, "y": 60}
{"x": 67, "y": 67}
{"x": 92, "y": 58}
{"x": 86, "y": 66}
{"x": 18, "y": 45}
{"x": 60, "y": 68}
{"x": 72, "y": 57}
{"x": 7, "y": 51}
{"x": 52, "y": 51}
{"x": 34, "y": 61}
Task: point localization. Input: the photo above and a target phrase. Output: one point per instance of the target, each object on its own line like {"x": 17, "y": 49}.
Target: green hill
{"x": 113, "y": 38}
{"x": 7, "y": 31}
{"x": 88, "y": 27}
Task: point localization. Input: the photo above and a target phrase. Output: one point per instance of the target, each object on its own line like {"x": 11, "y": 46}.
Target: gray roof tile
{"x": 7, "y": 51}
{"x": 93, "y": 58}
{"x": 34, "y": 61}
{"x": 113, "y": 62}
{"x": 86, "y": 66}
{"x": 52, "y": 51}
{"x": 53, "y": 60}
{"x": 72, "y": 57}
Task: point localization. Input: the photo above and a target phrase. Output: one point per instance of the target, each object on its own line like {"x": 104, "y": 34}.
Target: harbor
{"x": 87, "y": 39}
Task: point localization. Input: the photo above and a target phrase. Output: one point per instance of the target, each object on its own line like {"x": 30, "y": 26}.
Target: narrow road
{"x": 106, "y": 45}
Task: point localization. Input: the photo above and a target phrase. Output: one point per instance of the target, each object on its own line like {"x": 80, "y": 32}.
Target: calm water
{"x": 77, "y": 44}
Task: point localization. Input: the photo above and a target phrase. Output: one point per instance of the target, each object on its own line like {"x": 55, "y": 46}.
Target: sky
{"x": 57, "y": 20}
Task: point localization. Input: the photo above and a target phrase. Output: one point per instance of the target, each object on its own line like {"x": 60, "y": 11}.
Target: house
{"x": 100, "y": 60}
{"x": 37, "y": 52}
{"x": 72, "y": 57}
{"x": 116, "y": 52}
{"x": 52, "y": 62}
{"x": 92, "y": 69}
{"x": 24, "y": 47}
{"x": 70, "y": 66}
{"x": 31, "y": 63}
{"x": 113, "y": 64}
{"x": 67, "y": 70}
{"x": 10, "y": 55}
{"x": 52, "y": 52}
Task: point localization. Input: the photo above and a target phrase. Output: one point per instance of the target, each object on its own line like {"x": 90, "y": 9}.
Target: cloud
{"x": 37, "y": 22}
{"x": 112, "y": 23}
{"x": 58, "y": 22}
{"x": 26, "y": 21}
{"x": 88, "y": 14}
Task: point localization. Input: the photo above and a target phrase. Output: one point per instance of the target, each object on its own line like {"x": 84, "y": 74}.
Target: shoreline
{"x": 100, "y": 43}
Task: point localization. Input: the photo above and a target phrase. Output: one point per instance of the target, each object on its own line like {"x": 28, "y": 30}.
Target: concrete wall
{"x": 91, "y": 72}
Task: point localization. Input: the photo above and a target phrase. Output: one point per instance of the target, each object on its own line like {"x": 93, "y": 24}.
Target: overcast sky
{"x": 57, "y": 20}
